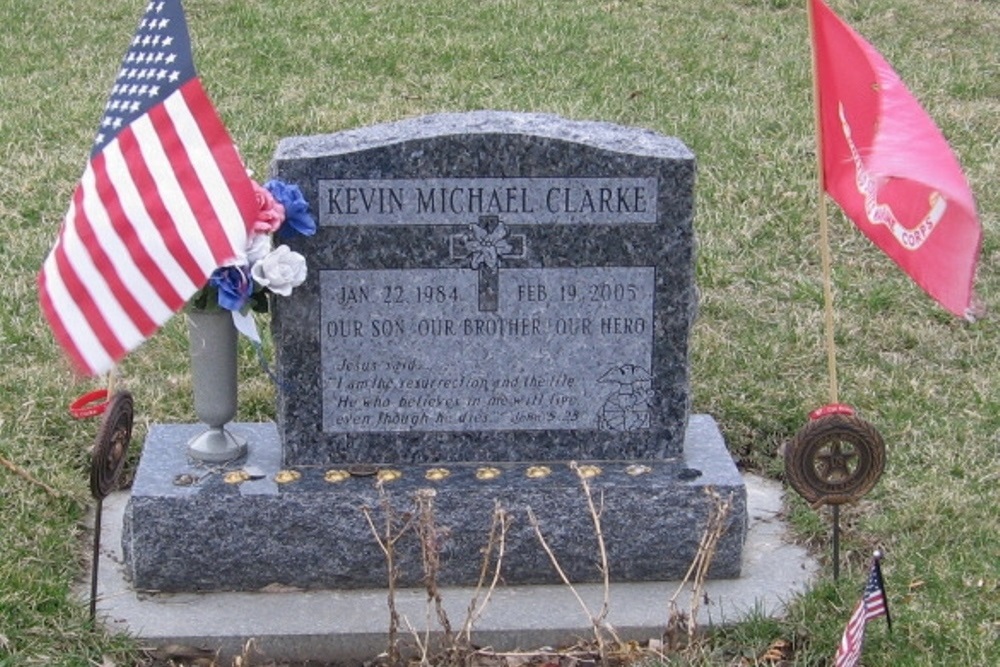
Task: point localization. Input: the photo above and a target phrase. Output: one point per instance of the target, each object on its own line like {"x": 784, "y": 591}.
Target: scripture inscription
{"x": 527, "y": 201}
{"x": 412, "y": 350}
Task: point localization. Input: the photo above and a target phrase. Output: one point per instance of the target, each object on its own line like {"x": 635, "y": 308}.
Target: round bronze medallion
{"x": 588, "y": 471}
{"x": 388, "y": 475}
{"x": 834, "y": 459}
{"x": 111, "y": 446}
{"x": 236, "y": 477}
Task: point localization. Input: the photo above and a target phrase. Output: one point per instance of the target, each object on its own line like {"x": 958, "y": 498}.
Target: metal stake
{"x": 106, "y": 466}
{"x": 836, "y": 543}
{"x": 95, "y": 563}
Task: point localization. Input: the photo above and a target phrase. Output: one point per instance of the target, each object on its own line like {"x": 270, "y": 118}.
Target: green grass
{"x": 730, "y": 78}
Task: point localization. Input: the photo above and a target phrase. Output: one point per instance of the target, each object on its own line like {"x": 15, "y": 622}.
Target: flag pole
{"x": 824, "y": 221}
{"x": 112, "y": 380}
{"x": 824, "y": 244}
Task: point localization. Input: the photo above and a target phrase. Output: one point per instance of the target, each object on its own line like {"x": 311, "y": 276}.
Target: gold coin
{"x": 537, "y": 472}
{"x": 236, "y": 477}
{"x": 388, "y": 475}
{"x": 437, "y": 474}
{"x": 487, "y": 473}
{"x": 287, "y": 476}
{"x": 335, "y": 476}
{"x": 588, "y": 471}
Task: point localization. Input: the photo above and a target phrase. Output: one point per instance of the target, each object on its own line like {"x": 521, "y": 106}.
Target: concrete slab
{"x": 348, "y": 627}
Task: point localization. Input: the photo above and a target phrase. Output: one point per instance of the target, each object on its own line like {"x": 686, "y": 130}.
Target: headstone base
{"x": 189, "y": 528}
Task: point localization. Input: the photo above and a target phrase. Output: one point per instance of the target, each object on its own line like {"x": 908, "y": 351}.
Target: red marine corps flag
{"x": 887, "y": 165}
{"x": 163, "y": 201}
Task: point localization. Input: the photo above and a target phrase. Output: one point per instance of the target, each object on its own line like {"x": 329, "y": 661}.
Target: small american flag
{"x": 872, "y": 605}
{"x": 164, "y": 200}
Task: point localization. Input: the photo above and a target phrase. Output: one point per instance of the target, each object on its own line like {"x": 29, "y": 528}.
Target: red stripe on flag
{"x": 224, "y": 152}
{"x": 194, "y": 191}
{"x": 59, "y": 332}
{"x": 147, "y": 187}
{"x": 874, "y": 606}
{"x": 87, "y": 305}
{"x": 127, "y": 234}
{"x": 849, "y": 650}
{"x": 135, "y": 312}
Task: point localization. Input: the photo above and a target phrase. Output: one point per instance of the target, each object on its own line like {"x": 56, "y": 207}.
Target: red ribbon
{"x": 832, "y": 409}
{"x": 90, "y": 405}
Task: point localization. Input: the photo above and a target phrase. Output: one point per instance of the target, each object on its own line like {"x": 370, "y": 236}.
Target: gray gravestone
{"x": 489, "y": 287}
{"x": 490, "y": 297}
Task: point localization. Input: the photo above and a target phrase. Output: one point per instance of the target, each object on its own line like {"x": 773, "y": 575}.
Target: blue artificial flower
{"x": 298, "y": 221}
{"x": 234, "y": 286}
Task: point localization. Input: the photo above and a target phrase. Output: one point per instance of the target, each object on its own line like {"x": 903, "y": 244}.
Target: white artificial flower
{"x": 280, "y": 271}
{"x": 258, "y": 247}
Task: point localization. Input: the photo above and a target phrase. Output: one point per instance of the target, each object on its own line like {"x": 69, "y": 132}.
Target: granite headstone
{"x": 490, "y": 297}
{"x": 489, "y": 287}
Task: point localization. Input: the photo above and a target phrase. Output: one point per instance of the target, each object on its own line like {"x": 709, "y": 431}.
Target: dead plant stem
{"x": 25, "y": 475}
{"x": 431, "y": 538}
{"x": 388, "y": 545}
{"x": 595, "y": 516}
{"x": 598, "y": 635}
{"x": 497, "y": 540}
{"x": 700, "y": 565}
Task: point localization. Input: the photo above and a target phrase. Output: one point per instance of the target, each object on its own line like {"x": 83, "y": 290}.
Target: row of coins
{"x": 386, "y": 475}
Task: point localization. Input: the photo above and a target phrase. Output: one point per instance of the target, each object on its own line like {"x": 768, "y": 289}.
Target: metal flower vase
{"x": 212, "y": 338}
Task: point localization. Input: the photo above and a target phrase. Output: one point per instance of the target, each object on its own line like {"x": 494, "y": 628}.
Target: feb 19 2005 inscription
{"x": 414, "y": 350}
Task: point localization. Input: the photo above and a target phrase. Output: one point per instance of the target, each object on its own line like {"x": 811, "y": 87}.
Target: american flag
{"x": 164, "y": 200}
{"x": 872, "y": 605}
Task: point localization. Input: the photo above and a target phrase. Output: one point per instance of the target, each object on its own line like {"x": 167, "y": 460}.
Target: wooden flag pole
{"x": 112, "y": 380}
{"x": 824, "y": 242}
{"x": 824, "y": 221}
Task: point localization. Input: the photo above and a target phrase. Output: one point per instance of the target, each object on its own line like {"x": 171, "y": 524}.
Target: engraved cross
{"x": 484, "y": 245}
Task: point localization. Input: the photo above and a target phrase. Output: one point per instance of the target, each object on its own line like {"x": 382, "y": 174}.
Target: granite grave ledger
{"x": 491, "y": 296}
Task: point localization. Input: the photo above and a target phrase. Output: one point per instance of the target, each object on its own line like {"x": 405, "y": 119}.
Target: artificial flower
{"x": 258, "y": 248}
{"x": 233, "y": 285}
{"x": 243, "y": 283}
{"x": 280, "y": 271}
{"x": 270, "y": 212}
{"x": 298, "y": 220}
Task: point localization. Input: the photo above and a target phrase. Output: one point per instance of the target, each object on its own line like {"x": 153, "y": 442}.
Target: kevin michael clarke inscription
{"x": 523, "y": 201}
{"x": 559, "y": 349}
